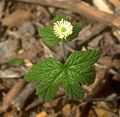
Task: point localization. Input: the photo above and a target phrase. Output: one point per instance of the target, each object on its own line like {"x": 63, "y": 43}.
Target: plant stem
{"x": 63, "y": 50}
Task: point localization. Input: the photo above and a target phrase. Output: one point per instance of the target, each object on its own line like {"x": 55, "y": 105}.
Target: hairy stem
{"x": 63, "y": 50}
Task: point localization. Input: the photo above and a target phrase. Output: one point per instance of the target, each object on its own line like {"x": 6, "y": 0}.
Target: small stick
{"x": 110, "y": 70}
{"x": 8, "y": 98}
{"x": 81, "y": 8}
{"x": 24, "y": 95}
{"x": 104, "y": 99}
{"x": 39, "y": 101}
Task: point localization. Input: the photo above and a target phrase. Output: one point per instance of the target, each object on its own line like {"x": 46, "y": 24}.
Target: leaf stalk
{"x": 63, "y": 49}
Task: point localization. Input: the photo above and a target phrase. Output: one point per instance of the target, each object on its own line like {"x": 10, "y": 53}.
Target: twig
{"x": 80, "y": 8}
{"x": 101, "y": 99}
{"x": 61, "y": 92}
{"x": 24, "y": 95}
{"x": 48, "y": 51}
{"x": 69, "y": 48}
{"x": 8, "y": 98}
{"x": 110, "y": 70}
{"x": 13, "y": 72}
{"x": 39, "y": 101}
{"x": 35, "y": 103}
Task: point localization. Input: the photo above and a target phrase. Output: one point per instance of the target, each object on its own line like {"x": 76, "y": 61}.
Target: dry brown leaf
{"x": 8, "y": 52}
{"x": 48, "y": 105}
{"x": 1, "y": 87}
{"x": 17, "y": 18}
{"x": 101, "y": 113}
{"x": 28, "y": 63}
{"x": 42, "y": 114}
{"x": 67, "y": 111}
{"x": 116, "y": 3}
{"x": 101, "y": 5}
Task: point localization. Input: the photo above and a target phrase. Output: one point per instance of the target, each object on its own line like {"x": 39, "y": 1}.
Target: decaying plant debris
{"x": 19, "y": 24}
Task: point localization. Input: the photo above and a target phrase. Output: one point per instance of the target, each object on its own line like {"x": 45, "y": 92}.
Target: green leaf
{"x": 76, "y": 29}
{"x": 48, "y": 36}
{"x": 73, "y": 90}
{"x": 49, "y": 73}
{"x": 78, "y": 68}
{"x": 59, "y": 17}
{"x": 16, "y": 62}
{"x": 44, "y": 70}
{"x": 80, "y": 63}
{"x": 47, "y": 89}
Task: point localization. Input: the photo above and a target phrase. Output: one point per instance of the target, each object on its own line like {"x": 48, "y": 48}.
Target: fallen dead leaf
{"x": 42, "y": 114}
{"x": 8, "y": 52}
{"x": 20, "y": 51}
{"x": 1, "y": 87}
{"x": 14, "y": 18}
{"x": 101, "y": 113}
{"x": 116, "y": 3}
{"x": 67, "y": 111}
{"x": 101, "y": 5}
{"x": 28, "y": 63}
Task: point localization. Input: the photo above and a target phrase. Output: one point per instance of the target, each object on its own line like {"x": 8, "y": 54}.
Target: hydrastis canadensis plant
{"x": 77, "y": 70}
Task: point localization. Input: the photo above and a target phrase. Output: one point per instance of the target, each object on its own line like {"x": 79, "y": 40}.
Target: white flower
{"x": 63, "y": 29}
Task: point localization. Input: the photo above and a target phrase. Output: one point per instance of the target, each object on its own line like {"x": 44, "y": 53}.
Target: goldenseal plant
{"x": 77, "y": 70}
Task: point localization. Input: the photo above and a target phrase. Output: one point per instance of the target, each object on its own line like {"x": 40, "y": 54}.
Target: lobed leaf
{"x": 80, "y": 63}
{"x": 47, "y": 89}
{"x": 59, "y": 17}
{"x": 44, "y": 70}
{"x": 73, "y": 90}
{"x": 48, "y": 36}
{"x": 78, "y": 68}
{"x": 76, "y": 29}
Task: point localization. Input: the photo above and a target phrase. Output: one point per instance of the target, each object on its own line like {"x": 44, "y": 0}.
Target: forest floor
{"x": 19, "y": 41}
